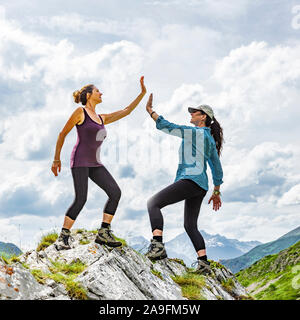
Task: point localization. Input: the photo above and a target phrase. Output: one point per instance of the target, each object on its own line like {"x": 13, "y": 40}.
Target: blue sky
{"x": 241, "y": 57}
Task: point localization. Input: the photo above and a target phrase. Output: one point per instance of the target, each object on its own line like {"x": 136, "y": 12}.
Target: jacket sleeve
{"x": 215, "y": 166}
{"x": 171, "y": 128}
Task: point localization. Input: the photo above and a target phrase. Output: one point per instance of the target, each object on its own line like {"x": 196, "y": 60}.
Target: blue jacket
{"x": 197, "y": 148}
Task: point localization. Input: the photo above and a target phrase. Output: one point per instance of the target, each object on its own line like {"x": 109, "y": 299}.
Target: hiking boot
{"x": 105, "y": 236}
{"x": 62, "y": 243}
{"x": 156, "y": 250}
{"x": 203, "y": 266}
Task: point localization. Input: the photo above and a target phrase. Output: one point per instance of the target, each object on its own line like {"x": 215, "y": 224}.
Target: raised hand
{"x": 143, "y": 88}
{"x": 149, "y": 103}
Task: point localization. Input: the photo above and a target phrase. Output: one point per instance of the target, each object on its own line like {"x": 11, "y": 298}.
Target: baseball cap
{"x": 204, "y": 107}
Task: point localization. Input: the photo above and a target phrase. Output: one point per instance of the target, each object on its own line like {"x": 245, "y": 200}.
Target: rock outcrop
{"x": 92, "y": 271}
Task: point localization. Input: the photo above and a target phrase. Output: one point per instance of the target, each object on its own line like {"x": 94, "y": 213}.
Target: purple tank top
{"x": 90, "y": 135}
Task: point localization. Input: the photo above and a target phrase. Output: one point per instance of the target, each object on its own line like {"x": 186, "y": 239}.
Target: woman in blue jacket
{"x": 201, "y": 144}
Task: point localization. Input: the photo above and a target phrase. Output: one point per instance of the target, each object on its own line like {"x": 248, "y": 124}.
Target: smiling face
{"x": 197, "y": 118}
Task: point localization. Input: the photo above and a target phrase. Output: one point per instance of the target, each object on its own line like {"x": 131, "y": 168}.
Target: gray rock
{"x": 18, "y": 283}
{"x": 109, "y": 274}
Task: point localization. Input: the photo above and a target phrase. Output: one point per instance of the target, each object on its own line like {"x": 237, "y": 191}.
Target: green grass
{"x": 270, "y": 268}
{"x": 282, "y": 289}
{"x": 180, "y": 261}
{"x": 40, "y": 276}
{"x": 157, "y": 274}
{"x": 215, "y": 264}
{"x": 47, "y": 240}
{"x": 65, "y": 274}
{"x": 228, "y": 285}
{"x": 191, "y": 285}
{"x": 11, "y": 259}
{"x": 84, "y": 241}
{"x": 79, "y": 231}
{"x": 75, "y": 267}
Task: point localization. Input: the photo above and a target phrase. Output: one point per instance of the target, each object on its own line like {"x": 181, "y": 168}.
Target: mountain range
{"x": 217, "y": 246}
{"x": 260, "y": 251}
{"x": 9, "y": 249}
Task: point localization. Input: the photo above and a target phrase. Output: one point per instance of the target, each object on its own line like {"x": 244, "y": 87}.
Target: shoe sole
{"x": 59, "y": 249}
{"x": 107, "y": 244}
{"x": 203, "y": 271}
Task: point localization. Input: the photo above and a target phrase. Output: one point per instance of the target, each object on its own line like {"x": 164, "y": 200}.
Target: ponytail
{"x": 216, "y": 131}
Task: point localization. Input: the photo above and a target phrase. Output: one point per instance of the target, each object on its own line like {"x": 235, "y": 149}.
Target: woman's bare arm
{"x": 73, "y": 120}
{"x": 117, "y": 115}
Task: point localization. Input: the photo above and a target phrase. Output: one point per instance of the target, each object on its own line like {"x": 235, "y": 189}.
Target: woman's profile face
{"x": 96, "y": 95}
{"x": 197, "y": 117}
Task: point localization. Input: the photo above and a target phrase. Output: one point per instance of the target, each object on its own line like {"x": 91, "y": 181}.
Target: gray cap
{"x": 204, "y": 107}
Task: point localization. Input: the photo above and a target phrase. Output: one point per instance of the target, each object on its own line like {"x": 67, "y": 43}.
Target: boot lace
{"x": 151, "y": 246}
{"x": 109, "y": 231}
{"x": 66, "y": 238}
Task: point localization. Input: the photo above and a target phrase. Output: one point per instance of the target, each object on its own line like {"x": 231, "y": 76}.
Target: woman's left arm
{"x": 117, "y": 115}
{"x": 163, "y": 124}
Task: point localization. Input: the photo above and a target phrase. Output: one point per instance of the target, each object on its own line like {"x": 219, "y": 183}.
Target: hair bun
{"x": 76, "y": 95}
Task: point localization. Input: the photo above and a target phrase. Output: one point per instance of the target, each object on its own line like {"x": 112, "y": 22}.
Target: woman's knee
{"x": 151, "y": 203}
{"x": 80, "y": 201}
{"x": 115, "y": 193}
{"x": 190, "y": 227}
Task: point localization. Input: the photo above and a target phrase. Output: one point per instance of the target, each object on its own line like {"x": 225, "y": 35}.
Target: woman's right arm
{"x": 73, "y": 120}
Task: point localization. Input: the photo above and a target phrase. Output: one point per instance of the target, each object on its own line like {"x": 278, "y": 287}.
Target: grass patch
{"x": 157, "y": 273}
{"x": 80, "y": 231}
{"x": 283, "y": 288}
{"x": 180, "y": 261}
{"x": 191, "y": 285}
{"x": 228, "y": 285}
{"x": 272, "y": 267}
{"x": 215, "y": 264}
{"x": 39, "y": 275}
{"x": 11, "y": 259}
{"x": 84, "y": 241}
{"x": 65, "y": 274}
{"x": 75, "y": 267}
{"x": 47, "y": 240}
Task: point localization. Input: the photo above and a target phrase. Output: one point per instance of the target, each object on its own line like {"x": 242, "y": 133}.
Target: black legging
{"x": 183, "y": 189}
{"x": 103, "y": 179}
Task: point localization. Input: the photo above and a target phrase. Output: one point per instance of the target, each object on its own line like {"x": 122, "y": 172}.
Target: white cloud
{"x": 291, "y": 197}
{"x": 253, "y": 90}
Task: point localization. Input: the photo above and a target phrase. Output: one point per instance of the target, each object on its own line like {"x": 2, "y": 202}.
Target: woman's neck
{"x": 91, "y": 106}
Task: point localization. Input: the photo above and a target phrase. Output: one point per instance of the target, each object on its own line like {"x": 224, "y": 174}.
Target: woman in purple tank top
{"x": 85, "y": 161}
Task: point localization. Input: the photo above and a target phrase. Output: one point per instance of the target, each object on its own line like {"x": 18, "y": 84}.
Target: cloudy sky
{"x": 242, "y": 57}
